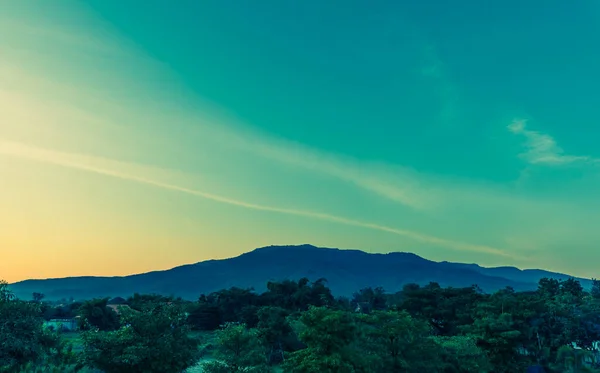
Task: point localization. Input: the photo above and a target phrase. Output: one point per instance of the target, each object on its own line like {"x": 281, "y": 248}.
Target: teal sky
{"x": 140, "y": 135}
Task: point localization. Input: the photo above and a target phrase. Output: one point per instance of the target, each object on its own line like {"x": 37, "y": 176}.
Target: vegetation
{"x": 24, "y": 343}
{"x": 153, "y": 340}
{"x": 300, "y": 327}
{"x": 95, "y": 315}
{"x": 238, "y": 350}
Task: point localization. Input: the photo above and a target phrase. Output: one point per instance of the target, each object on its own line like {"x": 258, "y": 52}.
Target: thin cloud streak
{"x": 79, "y": 162}
{"x": 399, "y": 184}
{"x": 73, "y": 38}
{"x": 400, "y": 188}
{"x": 542, "y": 148}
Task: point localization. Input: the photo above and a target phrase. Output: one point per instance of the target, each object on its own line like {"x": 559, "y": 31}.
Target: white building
{"x": 67, "y": 325}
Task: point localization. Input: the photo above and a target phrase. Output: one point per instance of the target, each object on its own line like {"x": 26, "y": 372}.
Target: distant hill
{"x": 346, "y": 271}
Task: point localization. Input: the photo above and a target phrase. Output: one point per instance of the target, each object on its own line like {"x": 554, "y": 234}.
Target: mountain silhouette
{"x": 346, "y": 271}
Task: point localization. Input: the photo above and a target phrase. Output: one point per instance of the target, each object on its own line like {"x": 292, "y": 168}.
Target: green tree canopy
{"x": 95, "y": 314}
{"x": 155, "y": 340}
{"x": 24, "y": 341}
{"x": 238, "y": 350}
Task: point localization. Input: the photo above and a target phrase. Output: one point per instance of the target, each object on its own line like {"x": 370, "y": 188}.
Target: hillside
{"x": 345, "y": 270}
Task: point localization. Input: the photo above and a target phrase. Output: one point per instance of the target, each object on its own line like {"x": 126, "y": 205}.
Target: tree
{"x": 238, "y": 350}
{"x": 24, "y": 342}
{"x": 595, "y": 291}
{"x": 548, "y": 287}
{"x": 559, "y": 317}
{"x": 499, "y": 336}
{"x": 374, "y": 298}
{"x": 298, "y": 296}
{"x": 460, "y": 354}
{"x": 155, "y": 340}
{"x": 204, "y": 316}
{"x": 332, "y": 343}
{"x": 95, "y": 314}
{"x": 446, "y": 309}
{"x": 276, "y": 332}
{"x": 399, "y": 343}
{"x": 144, "y": 302}
{"x": 37, "y": 297}
{"x": 573, "y": 288}
{"x": 571, "y": 360}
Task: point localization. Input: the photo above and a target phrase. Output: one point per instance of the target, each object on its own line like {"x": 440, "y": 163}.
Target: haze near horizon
{"x": 136, "y": 138}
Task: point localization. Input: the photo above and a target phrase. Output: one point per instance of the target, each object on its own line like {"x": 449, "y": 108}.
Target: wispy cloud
{"x": 208, "y": 124}
{"x": 82, "y": 41}
{"x": 398, "y": 186}
{"x": 395, "y": 183}
{"x": 66, "y": 114}
{"x": 542, "y": 148}
{"x": 99, "y": 166}
{"x": 59, "y": 107}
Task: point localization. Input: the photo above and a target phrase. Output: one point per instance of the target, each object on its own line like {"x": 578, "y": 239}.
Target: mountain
{"x": 346, "y": 271}
{"x": 520, "y": 275}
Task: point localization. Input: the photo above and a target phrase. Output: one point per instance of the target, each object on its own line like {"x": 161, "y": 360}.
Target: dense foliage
{"x": 301, "y": 327}
{"x": 96, "y": 315}
{"x": 24, "y": 344}
{"x": 418, "y": 329}
{"x": 153, "y": 340}
{"x": 238, "y": 350}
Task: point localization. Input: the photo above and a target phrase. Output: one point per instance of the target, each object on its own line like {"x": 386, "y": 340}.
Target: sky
{"x": 142, "y": 135}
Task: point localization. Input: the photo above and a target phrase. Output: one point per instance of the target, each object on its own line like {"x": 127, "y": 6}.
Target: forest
{"x": 301, "y": 327}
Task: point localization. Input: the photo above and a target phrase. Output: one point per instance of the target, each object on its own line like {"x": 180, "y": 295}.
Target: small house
{"x": 63, "y": 325}
{"x": 117, "y": 308}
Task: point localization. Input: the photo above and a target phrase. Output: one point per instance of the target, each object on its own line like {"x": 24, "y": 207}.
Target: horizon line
{"x": 293, "y": 245}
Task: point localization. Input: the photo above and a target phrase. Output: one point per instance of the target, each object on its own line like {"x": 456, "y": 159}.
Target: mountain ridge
{"x": 347, "y": 270}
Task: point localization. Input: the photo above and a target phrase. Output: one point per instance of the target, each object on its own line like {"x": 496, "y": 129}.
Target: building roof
{"x": 117, "y": 300}
{"x": 118, "y": 307}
